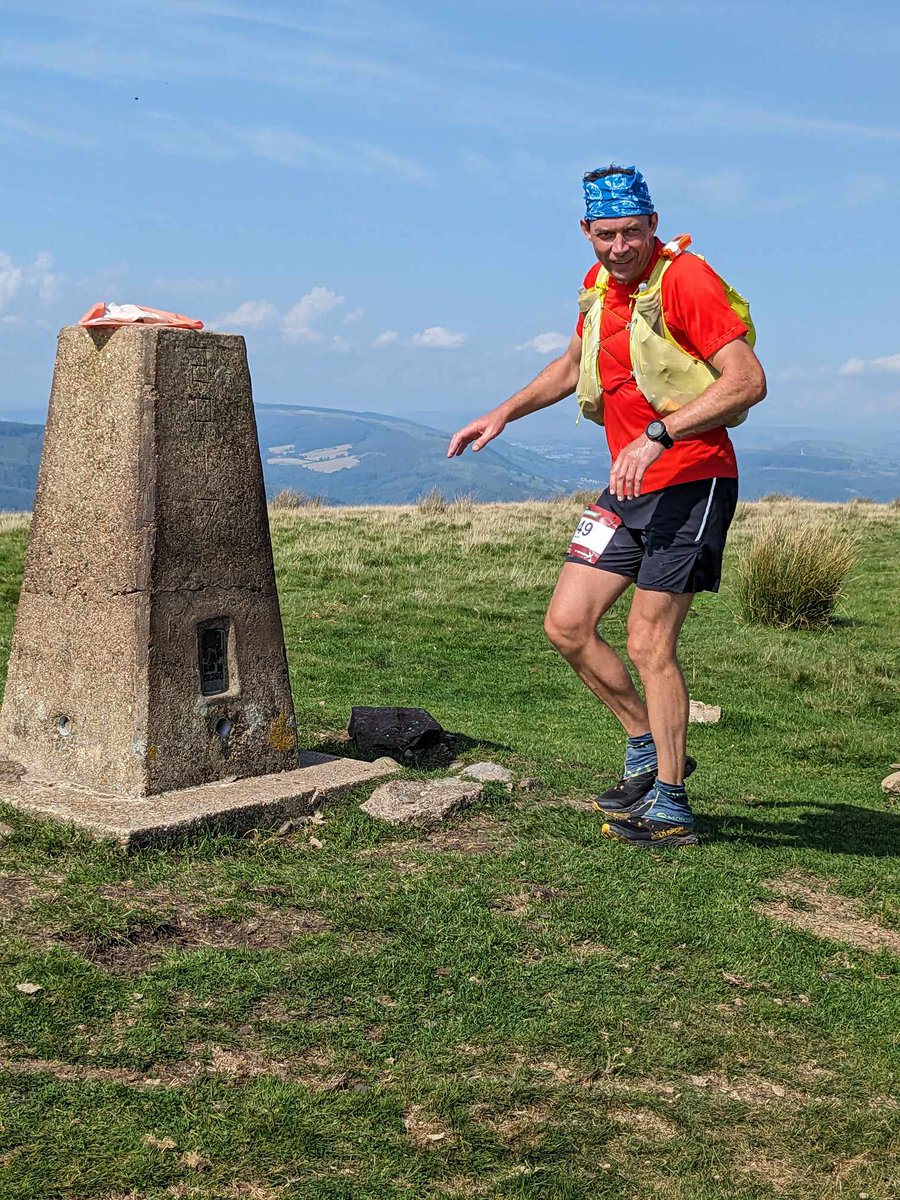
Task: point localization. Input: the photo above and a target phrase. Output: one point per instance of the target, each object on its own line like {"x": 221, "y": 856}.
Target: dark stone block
{"x": 397, "y": 732}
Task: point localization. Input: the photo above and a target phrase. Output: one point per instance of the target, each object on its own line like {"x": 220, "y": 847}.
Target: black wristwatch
{"x": 657, "y": 432}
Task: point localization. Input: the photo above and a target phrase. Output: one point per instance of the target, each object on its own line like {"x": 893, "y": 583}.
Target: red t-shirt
{"x": 701, "y": 320}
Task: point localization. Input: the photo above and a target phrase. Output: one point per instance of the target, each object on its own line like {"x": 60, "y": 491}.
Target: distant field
{"x": 510, "y": 1007}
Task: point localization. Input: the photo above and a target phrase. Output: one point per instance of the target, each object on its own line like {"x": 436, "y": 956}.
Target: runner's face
{"x": 624, "y": 245}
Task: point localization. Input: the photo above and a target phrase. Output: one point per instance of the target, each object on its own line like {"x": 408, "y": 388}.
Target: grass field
{"x": 511, "y": 1006}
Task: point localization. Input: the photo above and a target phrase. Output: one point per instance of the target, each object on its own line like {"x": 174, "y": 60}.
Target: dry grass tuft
{"x": 433, "y": 503}
{"x": 12, "y": 522}
{"x": 291, "y": 498}
{"x": 791, "y": 572}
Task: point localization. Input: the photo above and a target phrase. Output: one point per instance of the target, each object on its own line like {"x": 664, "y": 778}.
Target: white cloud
{"x": 10, "y": 279}
{"x": 299, "y": 151}
{"x": 354, "y": 315}
{"x": 436, "y": 337}
{"x": 546, "y": 343}
{"x": 249, "y": 315}
{"x": 12, "y": 124}
{"x": 389, "y": 338}
{"x": 865, "y": 366}
{"x": 298, "y": 320}
{"x": 35, "y": 277}
{"x": 171, "y": 134}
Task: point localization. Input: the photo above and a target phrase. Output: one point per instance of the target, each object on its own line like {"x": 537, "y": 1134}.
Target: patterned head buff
{"x": 624, "y": 194}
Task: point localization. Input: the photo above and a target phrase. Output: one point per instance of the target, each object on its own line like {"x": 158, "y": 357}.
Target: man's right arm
{"x": 557, "y": 380}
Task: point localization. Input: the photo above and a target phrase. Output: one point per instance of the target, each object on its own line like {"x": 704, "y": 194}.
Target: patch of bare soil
{"x": 17, "y": 893}
{"x": 748, "y": 1089}
{"x": 173, "y": 922}
{"x": 311, "y": 1071}
{"x": 479, "y": 834}
{"x": 645, "y": 1123}
{"x": 826, "y": 914}
{"x": 526, "y": 898}
{"x": 779, "y": 1174}
{"x": 521, "y": 1129}
{"x": 426, "y": 1132}
{"x": 584, "y": 950}
{"x": 251, "y": 1191}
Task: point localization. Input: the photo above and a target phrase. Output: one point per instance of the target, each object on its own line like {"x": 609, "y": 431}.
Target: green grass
{"x": 511, "y": 1007}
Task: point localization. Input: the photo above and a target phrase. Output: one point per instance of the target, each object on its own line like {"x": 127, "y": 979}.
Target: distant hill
{"x": 818, "y": 471}
{"x": 20, "y": 456}
{"x": 369, "y": 458}
{"x": 769, "y": 461}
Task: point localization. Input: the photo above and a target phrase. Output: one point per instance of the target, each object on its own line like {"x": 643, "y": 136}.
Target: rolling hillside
{"x": 20, "y": 456}
{"x": 365, "y": 458}
{"x": 370, "y": 458}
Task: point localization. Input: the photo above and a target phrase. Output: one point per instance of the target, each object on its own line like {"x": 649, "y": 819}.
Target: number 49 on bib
{"x": 594, "y": 533}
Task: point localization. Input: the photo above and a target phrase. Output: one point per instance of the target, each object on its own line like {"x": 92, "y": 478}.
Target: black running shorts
{"x": 668, "y": 541}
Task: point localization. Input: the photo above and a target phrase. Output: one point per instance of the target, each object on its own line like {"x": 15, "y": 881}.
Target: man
{"x": 662, "y": 355}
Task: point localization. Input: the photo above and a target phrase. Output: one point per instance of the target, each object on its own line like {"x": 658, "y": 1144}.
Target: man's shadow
{"x": 837, "y": 828}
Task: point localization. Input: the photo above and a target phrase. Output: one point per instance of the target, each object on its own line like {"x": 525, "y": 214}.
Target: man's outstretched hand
{"x": 477, "y": 433}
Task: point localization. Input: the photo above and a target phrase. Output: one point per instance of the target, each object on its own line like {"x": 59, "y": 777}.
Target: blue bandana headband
{"x": 624, "y": 194}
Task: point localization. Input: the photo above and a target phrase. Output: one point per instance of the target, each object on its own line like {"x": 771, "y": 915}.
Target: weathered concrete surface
{"x": 228, "y": 806}
{"x": 149, "y": 526}
{"x": 420, "y": 803}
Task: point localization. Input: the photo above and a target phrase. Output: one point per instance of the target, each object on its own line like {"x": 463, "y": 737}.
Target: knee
{"x": 567, "y": 636}
{"x": 649, "y": 652}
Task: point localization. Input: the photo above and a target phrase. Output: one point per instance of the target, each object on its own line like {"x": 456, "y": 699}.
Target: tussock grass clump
{"x": 291, "y": 498}
{"x": 791, "y": 571}
{"x": 432, "y": 503}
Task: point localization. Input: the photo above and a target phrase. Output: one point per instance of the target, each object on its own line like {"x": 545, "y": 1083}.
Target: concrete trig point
{"x": 148, "y": 692}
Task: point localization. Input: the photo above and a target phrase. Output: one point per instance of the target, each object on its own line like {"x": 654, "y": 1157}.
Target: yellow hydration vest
{"x": 667, "y": 376}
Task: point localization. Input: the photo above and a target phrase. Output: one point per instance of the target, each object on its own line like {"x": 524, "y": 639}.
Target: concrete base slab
{"x": 227, "y": 806}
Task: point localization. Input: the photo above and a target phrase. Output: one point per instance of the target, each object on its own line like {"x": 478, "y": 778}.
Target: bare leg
{"x": 654, "y": 624}
{"x": 583, "y": 594}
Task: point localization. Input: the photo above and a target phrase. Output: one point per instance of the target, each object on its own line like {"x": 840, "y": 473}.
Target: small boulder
{"x": 891, "y": 784}
{"x": 704, "y": 714}
{"x": 394, "y": 732}
{"x": 488, "y": 772}
{"x": 417, "y": 802}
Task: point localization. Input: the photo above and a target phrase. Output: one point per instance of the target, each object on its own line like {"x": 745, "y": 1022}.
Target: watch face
{"x": 655, "y": 429}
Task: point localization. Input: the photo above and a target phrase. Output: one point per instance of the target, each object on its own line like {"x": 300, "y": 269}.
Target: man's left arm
{"x": 742, "y": 384}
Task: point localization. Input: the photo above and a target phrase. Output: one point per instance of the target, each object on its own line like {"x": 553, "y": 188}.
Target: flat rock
{"x": 394, "y": 731}
{"x": 418, "y": 802}
{"x": 891, "y": 784}
{"x": 488, "y": 772}
{"x": 704, "y": 714}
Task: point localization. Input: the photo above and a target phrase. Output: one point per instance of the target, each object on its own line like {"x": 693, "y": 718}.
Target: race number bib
{"x": 594, "y": 533}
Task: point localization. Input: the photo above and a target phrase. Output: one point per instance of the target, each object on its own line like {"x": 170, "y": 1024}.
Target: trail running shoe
{"x": 650, "y": 834}
{"x": 624, "y": 797}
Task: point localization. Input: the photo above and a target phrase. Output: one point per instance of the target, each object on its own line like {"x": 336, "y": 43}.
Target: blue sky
{"x": 384, "y": 197}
